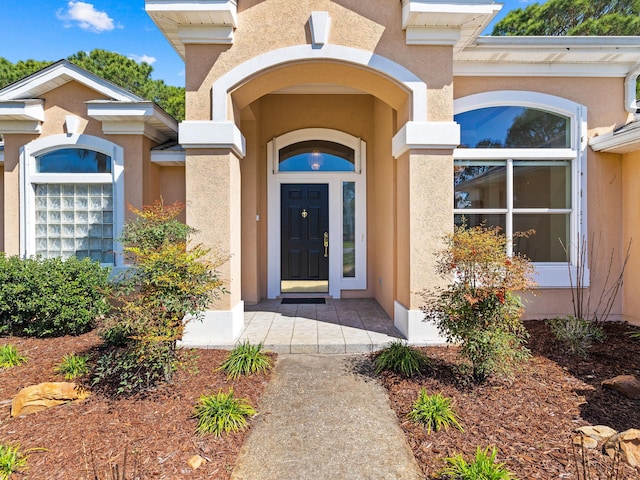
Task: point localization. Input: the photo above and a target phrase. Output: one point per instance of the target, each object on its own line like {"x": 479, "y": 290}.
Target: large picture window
{"x": 519, "y": 167}
{"x": 72, "y": 199}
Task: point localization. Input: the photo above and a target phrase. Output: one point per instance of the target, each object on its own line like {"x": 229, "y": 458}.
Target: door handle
{"x": 326, "y": 244}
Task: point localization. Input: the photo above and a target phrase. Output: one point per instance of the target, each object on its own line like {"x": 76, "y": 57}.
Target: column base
{"x": 216, "y": 328}
{"x": 415, "y": 328}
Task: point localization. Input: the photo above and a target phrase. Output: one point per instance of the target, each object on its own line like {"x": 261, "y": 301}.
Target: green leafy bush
{"x": 480, "y": 310}
{"x": 483, "y": 467}
{"x": 401, "y": 358}
{"x": 73, "y": 366}
{"x": 576, "y": 334}
{"x": 245, "y": 359}
{"x": 171, "y": 279}
{"x": 12, "y": 460}
{"x": 434, "y": 412}
{"x": 222, "y": 413}
{"x": 10, "y": 357}
{"x": 51, "y": 297}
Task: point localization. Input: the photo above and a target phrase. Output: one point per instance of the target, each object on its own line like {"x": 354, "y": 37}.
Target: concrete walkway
{"x": 339, "y": 326}
{"x": 319, "y": 420}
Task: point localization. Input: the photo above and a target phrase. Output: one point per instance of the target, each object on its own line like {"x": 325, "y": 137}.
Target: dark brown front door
{"x": 305, "y": 237}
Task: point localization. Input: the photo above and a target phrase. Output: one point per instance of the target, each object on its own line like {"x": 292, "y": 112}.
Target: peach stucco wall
{"x": 631, "y": 235}
{"x": 603, "y": 98}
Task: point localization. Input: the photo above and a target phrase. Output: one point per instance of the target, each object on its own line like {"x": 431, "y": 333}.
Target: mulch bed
{"x": 530, "y": 419}
{"x": 156, "y": 429}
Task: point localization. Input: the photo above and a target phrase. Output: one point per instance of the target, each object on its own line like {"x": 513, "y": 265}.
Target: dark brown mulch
{"x": 156, "y": 430}
{"x": 531, "y": 419}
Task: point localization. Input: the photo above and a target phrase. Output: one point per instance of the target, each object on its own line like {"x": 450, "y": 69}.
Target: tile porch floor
{"x": 339, "y": 326}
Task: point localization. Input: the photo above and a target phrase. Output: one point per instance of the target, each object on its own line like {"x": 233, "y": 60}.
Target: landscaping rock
{"x": 598, "y": 432}
{"x": 629, "y": 444}
{"x": 45, "y": 395}
{"x": 585, "y": 441}
{"x": 628, "y": 385}
{"x": 196, "y": 462}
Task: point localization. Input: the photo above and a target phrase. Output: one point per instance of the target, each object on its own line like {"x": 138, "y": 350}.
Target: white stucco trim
{"x": 548, "y": 275}
{"x": 415, "y": 328}
{"x": 28, "y": 177}
{"x": 337, "y": 282}
{"x": 237, "y": 76}
{"x": 425, "y": 135}
{"x": 215, "y": 328}
{"x": 319, "y": 25}
{"x": 29, "y": 110}
{"x": 212, "y": 134}
{"x": 206, "y": 35}
{"x": 432, "y": 36}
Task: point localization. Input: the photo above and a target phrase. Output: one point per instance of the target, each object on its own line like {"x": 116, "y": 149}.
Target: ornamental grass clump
{"x": 222, "y": 413}
{"x": 400, "y": 358}
{"x": 73, "y": 366}
{"x": 246, "y": 359}
{"x": 576, "y": 334}
{"x": 482, "y": 467}
{"x": 434, "y": 412}
{"x": 479, "y": 309}
{"x": 10, "y": 357}
{"x": 12, "y": 460}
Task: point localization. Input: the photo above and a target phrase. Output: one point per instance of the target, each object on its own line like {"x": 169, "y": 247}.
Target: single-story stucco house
{"x": 330, "y": 144}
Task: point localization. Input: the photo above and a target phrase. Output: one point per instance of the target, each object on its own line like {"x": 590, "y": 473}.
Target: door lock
{"x": 326, "y": 244}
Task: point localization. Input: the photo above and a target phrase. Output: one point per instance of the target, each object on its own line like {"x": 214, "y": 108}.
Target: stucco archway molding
{"x": 222, "y": 132}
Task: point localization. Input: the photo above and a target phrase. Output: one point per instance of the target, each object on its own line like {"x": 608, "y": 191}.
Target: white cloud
{"x": 86, "y": 17}
{"x": 143, "y": 58}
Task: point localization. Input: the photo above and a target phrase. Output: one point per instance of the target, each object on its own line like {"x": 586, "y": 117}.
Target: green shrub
{"x": 51, "y": 297}
{"x": 576, "y": 334}
{"x": 401, "y": 358}
{"x": 246, "y": 359}
{"x": 12, "y": 460}
{"x": 483, "y": 467}
{"x": 172, "y": 279}
{"x": 10, "y": 357}
{"x": 480, "y": 310}
{"x": 434, "y": 412}
{"x": 73, "y": 366}
{"x": 222, "y": 413}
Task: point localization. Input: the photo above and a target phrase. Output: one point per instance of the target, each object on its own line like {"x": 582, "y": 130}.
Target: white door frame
{"x": 334, "y": 180}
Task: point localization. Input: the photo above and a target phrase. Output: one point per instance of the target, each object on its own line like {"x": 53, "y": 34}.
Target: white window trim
{"x": 337, "y": 282}
{"x": 549, "y": 275}
{"x": 29, "y": 176}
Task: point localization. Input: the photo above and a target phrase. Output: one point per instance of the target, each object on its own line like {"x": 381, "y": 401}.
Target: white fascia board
{"x": 496, "y": 69}
{"x": 426, "y": 136}
{"x": 209, "y": 134}
{"x": 412, "y": 8}
{"x": 186, "y": 7}
{"x": 68, "y": 72}
{"x": 623, "y": 142}
{"x": 207, "y": 35}
{"x": 20, "y": 126}
{"x": 432, "y": 36}
{"x": 168, "y": 158}
{"x": 32, "y": 110}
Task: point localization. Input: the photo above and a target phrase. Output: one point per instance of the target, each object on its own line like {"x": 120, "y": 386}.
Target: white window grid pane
{"x": 74, "y": 219}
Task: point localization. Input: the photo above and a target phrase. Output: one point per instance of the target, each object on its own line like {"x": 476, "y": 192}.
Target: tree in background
{"x": 573, "y": 17}
{"x": 116, "y": 68}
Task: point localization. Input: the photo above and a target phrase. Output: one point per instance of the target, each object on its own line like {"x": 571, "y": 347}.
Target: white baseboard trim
{"x": 414, "y": 327}
{"x": 215, "y": 328}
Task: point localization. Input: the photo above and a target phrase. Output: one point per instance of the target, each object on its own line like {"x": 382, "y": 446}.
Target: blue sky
{"x": 55, "y": 29}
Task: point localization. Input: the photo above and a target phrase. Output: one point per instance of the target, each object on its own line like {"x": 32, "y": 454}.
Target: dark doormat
{"x": 311, "y": 300}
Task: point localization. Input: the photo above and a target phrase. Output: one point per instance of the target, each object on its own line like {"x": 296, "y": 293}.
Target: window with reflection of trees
{"x": 513, "y": 169}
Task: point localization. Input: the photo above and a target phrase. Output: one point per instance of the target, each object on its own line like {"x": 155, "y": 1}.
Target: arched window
{"x": 73, "y": 198}
{"x": 519, "y": 167}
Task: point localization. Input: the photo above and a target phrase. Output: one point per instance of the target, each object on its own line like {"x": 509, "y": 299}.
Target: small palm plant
{"x": 73, "y": 366}
{"x": 483, "y": 467}
{"x": 10, "y": 357}
{"x": 12, "y": 460}
{"x": 246, "y": 359}
{"x": 434, "y": 412}
{"x": 222, "y": 413}
{"x": 401, "y": 358}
